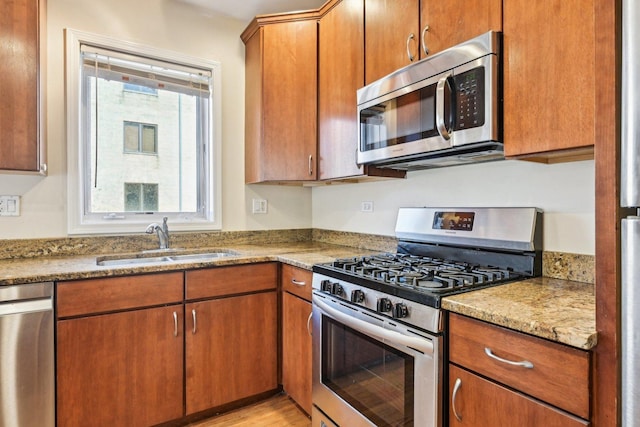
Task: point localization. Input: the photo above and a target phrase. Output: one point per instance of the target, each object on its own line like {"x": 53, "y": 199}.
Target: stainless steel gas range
{"x": 378, "y": 330}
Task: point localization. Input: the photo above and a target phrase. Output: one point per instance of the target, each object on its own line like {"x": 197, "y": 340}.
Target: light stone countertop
{"x": 44, "y": 269}
{"x": 559, "y": 310}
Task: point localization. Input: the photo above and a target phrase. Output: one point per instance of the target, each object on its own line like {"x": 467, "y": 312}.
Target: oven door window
{"x": 375, "y": 379}
{"x": 407, "y": 118}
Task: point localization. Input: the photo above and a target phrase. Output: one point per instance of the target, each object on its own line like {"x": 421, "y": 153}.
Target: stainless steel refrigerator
{"x": 630, "y": 198}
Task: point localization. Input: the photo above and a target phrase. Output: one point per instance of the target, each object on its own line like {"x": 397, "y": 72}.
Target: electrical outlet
{"x": 9, "y": 205}
{"x": 366, "y": 207}
{"x": 259, "y": 206}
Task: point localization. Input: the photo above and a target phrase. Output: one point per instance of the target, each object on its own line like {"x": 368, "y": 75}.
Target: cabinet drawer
{"x": 117, "y": 293}
{"x": 220, "y": 281}
{"x": 297, "y": 281}
{"x": 478, "y": 402}
{"x": 559, "y": 376}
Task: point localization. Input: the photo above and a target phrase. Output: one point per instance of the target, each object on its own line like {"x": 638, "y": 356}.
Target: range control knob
{"x": 337, "y": 289}
{"x": 357, "y": 296}
{"x": 400, "y": 310}
{"x": 383, "y": 305}
{"x": 326, "y": 286}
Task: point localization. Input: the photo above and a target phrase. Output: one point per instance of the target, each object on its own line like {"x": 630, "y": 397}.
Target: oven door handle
{"x": 422, "y": 345}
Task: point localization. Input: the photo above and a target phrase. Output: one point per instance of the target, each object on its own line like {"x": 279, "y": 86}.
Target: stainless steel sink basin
{"x": 173, "y": 257}
{"x": 199, "y": 257}
{"x": 132, "y": 261}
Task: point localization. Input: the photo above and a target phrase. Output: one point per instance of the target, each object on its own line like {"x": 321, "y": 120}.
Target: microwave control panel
{"x": 469, "y": 92}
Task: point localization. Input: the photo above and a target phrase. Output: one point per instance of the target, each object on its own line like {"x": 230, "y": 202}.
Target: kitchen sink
{"x": 173, "y": 257}
{"x": 132, "y": 261}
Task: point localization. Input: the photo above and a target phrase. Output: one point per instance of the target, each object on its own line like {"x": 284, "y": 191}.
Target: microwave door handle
{"x": 366, "y": 328}
{"x": 440, "y": 113}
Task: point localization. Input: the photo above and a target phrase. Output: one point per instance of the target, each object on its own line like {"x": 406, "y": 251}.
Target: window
{"x": 140, "y": 197}
{"x": 140, "y": 138}
{"x": 129, "y": 87}
{"x": 125, "y": 100}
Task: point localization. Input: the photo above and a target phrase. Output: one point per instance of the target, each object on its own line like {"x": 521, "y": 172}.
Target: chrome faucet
{"x": 162, "y": 231}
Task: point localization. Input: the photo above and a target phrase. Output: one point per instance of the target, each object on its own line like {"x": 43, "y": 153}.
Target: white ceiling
{"x": 245, "y": 10}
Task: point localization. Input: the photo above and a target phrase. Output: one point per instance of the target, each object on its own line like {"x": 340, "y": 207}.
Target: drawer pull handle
{"x": 456, "y": 387}
{"x": 299, "y": 282}
{"x": 524, "y": 363}
{"x": 175, "y": 324}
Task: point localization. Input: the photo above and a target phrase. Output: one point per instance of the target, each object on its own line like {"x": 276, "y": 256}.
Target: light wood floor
{"x": 278, "y": 411}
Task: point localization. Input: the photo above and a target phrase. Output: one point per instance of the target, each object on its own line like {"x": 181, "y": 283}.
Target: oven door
{"x": 371, "y": 371}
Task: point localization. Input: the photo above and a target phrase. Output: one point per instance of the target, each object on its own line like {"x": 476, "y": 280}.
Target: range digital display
{"x": 458, "y": 221}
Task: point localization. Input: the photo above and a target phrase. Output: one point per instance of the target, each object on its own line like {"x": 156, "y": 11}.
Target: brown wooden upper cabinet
{"x": 399, "y": 32}
{"x": 448, "y": 23}
{"x": 549, "y": 79}
{"x": 340, "y": 75}
{"x": 281, "y": 98}
{"x": 21, "y": 143}
{"x": 392, "y": 34}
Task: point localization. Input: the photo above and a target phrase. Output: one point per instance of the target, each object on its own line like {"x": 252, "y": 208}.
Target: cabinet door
{"x": 231, "y": 349}
{"x": 392, "y": 36}
{"x": 296, "y": 350}
{"x": 481, "y": 403}
{"x": 549, "y": 77}
{"x": 288, "y": 150}
{"x": 456, "y": 21}
{"x": 120, "y": 369}
{"x": 341, "y": 74}
{"x": 19, "y": 88}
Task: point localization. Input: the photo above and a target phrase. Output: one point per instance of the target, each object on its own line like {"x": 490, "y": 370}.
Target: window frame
{"x": 81, "y": 222}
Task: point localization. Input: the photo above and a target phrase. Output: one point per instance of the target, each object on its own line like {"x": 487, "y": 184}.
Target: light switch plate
{"x": 259, "y": 206}
{"x": 366, "y": 207}
{"x": 9, "y": 205}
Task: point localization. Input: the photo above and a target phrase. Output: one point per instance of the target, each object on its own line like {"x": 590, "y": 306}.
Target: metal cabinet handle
{"x": 425, "y": 49}
{"x": 175, "y": 324}
{"x": 193, "y": 313}
{"x": 409, "y": 54}
{"x": 524, "y": 363}
{"x": 298, "y": 282}
{"x": 456, "y": 388}
{"x": 308, "y": 324}
{"x": 310, "y": 164}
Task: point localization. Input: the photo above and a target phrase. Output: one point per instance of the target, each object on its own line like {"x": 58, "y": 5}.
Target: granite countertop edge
{"x": 559, "y": 310}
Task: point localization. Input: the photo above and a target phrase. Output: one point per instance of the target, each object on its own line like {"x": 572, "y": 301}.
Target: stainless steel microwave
{"x": 441, "y": 111}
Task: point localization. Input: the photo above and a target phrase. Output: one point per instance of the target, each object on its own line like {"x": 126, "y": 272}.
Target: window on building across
{"x": 140, "y": 138}
{"x": 126, "y": 100}
{"x": 140, "y": 197}
{"x": 146, "y": 90}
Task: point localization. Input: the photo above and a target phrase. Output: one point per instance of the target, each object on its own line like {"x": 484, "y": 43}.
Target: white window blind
{"x": 153, "y": 73}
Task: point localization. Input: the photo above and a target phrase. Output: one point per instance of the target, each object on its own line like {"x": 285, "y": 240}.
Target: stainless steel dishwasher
{"x": 27, "y": 386}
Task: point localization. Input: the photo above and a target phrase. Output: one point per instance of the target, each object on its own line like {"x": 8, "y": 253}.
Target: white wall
{"x": 566, "y": 193}
{"x": 166, "y": 24}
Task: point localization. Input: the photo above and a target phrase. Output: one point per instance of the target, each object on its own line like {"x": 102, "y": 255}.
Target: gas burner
{"x": 422, "y": 273}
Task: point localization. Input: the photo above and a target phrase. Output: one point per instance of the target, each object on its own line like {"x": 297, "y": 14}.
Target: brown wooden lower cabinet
{"x": 479, "y": 402}
{"x": 131, "y": 352}
{"x": 231, "y": 349}
{"x": 120, "y": 366}
{"x": 296, "y": 350}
